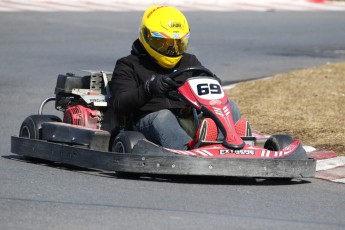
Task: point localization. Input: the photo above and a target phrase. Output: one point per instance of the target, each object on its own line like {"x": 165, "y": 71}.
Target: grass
{"x": 308, "y": 104}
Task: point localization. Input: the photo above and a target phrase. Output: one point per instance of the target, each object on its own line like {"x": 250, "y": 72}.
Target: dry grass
{"x": 308, "y": 104}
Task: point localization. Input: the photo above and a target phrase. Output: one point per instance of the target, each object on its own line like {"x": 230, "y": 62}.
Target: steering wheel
{"x": 199, "y": 69}
{"x": 173, "y": 94}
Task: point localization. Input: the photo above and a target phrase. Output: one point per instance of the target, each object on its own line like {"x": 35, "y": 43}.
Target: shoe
{"x": 206, "y": 133}
{"x": 243, "y": 128}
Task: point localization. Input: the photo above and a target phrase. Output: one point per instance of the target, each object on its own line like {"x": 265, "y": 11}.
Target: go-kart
{"x": 92, "y": 135}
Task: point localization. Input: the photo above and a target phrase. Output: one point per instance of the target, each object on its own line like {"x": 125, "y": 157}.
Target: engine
{"x": 83, "y": 116}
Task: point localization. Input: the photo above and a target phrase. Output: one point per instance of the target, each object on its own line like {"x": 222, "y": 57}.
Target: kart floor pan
{"x": 165, "y": 165}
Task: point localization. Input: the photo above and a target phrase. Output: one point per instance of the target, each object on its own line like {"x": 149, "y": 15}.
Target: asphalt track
{"x": 36, "y": 47}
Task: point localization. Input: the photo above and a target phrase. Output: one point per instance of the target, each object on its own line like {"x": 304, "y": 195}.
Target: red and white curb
{"x": 185, "y": 5}
{"x": 329, "y": 166}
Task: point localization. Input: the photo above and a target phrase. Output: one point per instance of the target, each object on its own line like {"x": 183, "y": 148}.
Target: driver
{"x": 141, "y": 80}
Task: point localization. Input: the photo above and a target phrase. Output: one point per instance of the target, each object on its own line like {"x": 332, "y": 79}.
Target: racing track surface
{"x": 36, "y": 47}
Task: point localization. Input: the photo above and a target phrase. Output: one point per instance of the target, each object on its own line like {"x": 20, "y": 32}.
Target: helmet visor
{"x": 171, "y": 47}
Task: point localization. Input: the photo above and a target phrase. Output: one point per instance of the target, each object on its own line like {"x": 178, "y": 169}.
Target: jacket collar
{"x": 138, "y": 49}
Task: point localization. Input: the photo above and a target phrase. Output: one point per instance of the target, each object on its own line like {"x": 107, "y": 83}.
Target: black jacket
{"x": 130, "y": 74}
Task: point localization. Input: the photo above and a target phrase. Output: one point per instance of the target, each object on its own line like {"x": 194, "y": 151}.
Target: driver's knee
{"x": 164, "y": 116}
{"x": 156, "y": 120}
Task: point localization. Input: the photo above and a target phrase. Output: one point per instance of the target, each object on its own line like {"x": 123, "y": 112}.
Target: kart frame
{"x": 56, "y": 141}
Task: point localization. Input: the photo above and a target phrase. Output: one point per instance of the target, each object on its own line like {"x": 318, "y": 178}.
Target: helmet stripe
{"x": 162, "y": 35}
{"x": 159, "y": 35}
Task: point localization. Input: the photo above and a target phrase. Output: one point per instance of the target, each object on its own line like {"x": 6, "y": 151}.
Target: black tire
{"x": 32, "y": 125}
{"x": 125, "y": 141}
{"x": 278, "y": 142}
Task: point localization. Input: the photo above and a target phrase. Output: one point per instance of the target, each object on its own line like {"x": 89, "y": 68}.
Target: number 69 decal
{"x": 205, "y": 88}
{"x": 208, "y": 89}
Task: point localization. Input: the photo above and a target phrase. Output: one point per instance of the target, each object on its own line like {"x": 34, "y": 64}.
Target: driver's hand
{"x": 160, "y": 85}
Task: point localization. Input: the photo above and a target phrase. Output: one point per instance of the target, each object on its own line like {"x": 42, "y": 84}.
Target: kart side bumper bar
{"x": 168, "y": 165}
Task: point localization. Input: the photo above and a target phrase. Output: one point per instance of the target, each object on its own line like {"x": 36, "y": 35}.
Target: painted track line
{"x": 186, "y": 5}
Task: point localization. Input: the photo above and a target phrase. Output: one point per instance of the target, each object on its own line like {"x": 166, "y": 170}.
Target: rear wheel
{"x": 32, "y": 125}
{"x": 32, "y": 128}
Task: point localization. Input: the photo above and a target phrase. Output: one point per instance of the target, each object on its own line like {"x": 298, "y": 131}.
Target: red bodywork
{"x": 248, "y": 151}
{"x": 206, "y": 95}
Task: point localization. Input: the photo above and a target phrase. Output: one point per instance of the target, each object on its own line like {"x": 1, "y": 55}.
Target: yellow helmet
{"x": 164, "y": 33}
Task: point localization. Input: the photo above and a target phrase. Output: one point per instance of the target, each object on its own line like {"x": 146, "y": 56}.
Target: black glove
{"x": 159, "y": 85}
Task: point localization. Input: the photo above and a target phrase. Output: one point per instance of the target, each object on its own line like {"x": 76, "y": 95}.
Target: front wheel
{"x": 124, "y": 143}
{"x": 32, "y": 125}
{"x": 278, "y": 142}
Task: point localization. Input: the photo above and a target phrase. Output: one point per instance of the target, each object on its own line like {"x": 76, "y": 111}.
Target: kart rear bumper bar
{"x": 168, "y": 165}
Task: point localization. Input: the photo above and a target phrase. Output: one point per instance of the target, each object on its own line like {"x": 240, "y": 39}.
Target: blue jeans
{"x": 163, "y": 128}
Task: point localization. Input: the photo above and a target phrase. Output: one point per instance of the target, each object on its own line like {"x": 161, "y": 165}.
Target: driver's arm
{"x": 127, "y": 93}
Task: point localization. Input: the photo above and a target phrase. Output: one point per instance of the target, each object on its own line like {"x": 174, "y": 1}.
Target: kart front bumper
{"x": 167, "y": 164}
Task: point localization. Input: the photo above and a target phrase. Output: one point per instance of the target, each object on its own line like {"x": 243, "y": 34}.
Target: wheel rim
{"x": 119, "y": 147}
{"x": 25, "y": 132}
